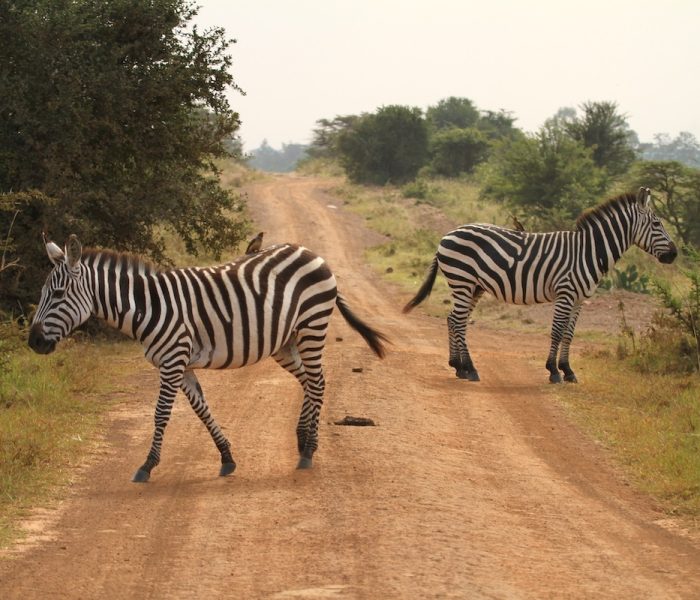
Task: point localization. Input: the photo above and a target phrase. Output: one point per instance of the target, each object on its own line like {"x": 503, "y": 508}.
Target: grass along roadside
{"x": 50, "y": 409}
{"x": 650, "y": 422}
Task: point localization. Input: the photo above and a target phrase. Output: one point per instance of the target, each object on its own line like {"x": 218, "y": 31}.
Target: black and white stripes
{"x": 277, "y": 302}
{"x": 563, "y": 267}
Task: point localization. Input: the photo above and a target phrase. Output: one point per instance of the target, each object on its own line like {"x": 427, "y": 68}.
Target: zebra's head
{"x": 650, "y": 234}
{"x": 65, "y": 301}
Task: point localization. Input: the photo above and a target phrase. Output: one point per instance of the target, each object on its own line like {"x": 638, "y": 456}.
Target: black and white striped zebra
{"x": 277, "y": 302}
{"x": 563, "y": 267}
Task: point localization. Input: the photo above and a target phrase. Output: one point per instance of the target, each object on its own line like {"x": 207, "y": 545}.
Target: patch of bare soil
{"x": 460, "y": 490}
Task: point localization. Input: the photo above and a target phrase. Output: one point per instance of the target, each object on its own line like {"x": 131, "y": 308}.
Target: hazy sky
{"x": 302, "y": 60}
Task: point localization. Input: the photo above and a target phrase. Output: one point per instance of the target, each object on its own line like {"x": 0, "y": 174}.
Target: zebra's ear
{"x": 644, "y": 197}
{"x": 54, "y": 252}
{"x": 73, "y": 251}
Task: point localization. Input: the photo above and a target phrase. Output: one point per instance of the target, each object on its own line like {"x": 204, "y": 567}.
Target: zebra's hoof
{"x": 468, "y": 375}
{"x": 571, "y": 378}
{"x": 304, "y": 463}
{"x": 227, "y": 469}
{"x": 141, "y": 476}
{"x": 555, "y": 378}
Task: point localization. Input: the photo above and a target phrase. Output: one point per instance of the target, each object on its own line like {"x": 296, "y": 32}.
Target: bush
{"x": 455, "y": 151}
{"x": 389, "y": 146}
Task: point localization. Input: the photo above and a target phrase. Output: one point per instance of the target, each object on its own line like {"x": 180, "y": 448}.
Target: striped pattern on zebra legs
{"x": 195, "y": 396}
{"x": 465, "y": 299}
{"x": 563, "y": 267}
{"x": 277, "y": 302}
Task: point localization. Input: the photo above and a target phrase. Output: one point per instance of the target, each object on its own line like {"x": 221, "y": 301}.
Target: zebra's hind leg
{"x": 199, "y": 405}
{"x": 308, "y": 346}
{"x": 568, "y": 336}
{"x": 464, "y": 300}
{"x": 290, "y": 360}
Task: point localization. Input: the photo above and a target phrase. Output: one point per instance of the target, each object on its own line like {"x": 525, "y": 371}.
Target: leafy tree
{"x": 603, "y": 129}
{"x": 677, "y": 195}
{"x": 497, "y": 124}
{"x": 325, "y": 139}
{"x": 684, "y": 148}
{"x": 454, "y": 151}
{"x": 452, "y": 112}
{"x": 387, "y": 146}
{"x": 114, "y": 111}
{"x": 548, "y": 176}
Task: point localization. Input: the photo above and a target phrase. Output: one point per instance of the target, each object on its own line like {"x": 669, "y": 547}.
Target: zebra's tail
{"x": 373, "y": 338}
{"x": 425, "y": 289}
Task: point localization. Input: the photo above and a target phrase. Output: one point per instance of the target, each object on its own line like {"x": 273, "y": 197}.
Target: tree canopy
{"x": 113, "y": 113}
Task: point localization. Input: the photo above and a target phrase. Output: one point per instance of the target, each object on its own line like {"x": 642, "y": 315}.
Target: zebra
{"x": 276, "y": 302}
{"x": 563, "y": 267}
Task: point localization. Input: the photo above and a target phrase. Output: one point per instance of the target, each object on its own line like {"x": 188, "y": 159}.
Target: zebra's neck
{"x": 122, "y": 287}
{"x": 607, "y": 236}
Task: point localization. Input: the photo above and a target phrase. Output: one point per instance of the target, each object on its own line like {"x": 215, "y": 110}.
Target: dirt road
{"x": 463, "y": 490}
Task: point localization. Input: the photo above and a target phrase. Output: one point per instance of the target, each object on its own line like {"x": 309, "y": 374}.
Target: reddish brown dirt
{"x": 462, "y": 490}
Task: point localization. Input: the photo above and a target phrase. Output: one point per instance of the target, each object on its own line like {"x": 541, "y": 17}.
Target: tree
{"x": 676, "y": 195}
{"x": 684, "y": 148}
{"x": 603, "y": 129}
{"x": 454, "y": 151}
{"x": 116, "y": 111}
{"x": 325, "y": 139}
{"x": 266, "y": 158}
{"x": 548, "y": 177}
{"x": 452, "y": 112}
{"x": 497, "y": 124}
{"x": 387, "y": 146}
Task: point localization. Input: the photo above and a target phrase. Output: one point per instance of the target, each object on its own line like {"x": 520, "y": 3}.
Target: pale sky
{"x": 303, "y": 60}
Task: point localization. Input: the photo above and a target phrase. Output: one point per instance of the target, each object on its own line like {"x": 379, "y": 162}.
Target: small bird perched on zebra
{"x": 517, "y": 225}
{"x": 563, "y": 267}
{"x": 277, "y": 303}
{"x": 255, "y": 244}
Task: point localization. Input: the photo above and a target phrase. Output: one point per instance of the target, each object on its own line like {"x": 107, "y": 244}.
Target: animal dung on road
{"x": 355, "y": 421}
{"x": 357, "y": 369}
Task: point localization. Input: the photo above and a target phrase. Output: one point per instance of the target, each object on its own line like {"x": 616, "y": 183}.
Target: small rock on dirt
{"x": 357, "y": 369}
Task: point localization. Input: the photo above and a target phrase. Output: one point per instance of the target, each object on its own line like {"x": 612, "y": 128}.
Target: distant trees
{"x": 451, "y": 113}
{"x": 684, "y": 148}
{"x": 266, "y": 158}
{"x": 112, "y": 114}
{"x": 676, "y": 195}
{"x": 454, "y": 151}
{"x": 549, "y": 177}
{"x": 390, "y": 145}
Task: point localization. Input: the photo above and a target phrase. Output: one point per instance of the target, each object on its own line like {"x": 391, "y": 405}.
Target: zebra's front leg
{"x": 170, "y": 382}
{"x": 563, "y": 364}
{"x": 195, "y": 396}
{"x": 562, "y": 313}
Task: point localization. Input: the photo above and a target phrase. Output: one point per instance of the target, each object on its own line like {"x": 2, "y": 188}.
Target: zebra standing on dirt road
{"x": 563, "y": 267}
{"x": 277, "y": 302}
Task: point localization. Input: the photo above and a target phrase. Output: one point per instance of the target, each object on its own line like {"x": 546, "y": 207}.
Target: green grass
{"x": 651, "y": 423}
{"x": 49, "y": 411}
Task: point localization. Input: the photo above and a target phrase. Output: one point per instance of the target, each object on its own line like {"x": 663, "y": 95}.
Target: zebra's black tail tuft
{"x": 373, "y": 338}
{"x": 425, "y": 289}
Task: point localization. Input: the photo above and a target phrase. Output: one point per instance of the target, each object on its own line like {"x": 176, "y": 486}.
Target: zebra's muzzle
{"x": 38, "y": 342}
{"x": 670, "y": 255}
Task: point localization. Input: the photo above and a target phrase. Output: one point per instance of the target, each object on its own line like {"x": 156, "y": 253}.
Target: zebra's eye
{"x": 58, "y": 294}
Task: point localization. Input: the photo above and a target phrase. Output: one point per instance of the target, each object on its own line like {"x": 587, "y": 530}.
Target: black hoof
{"x": 304, "y": 463}
{"x": 468, "y": 375}
{"x": 141, "y": 476}
{"x": 555, "y": 378}
{"x": 227, "y": 469}
{"x": 571, "y": 378}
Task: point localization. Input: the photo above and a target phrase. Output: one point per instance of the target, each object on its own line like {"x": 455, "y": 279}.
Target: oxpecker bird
{"x": 255, "y": 244}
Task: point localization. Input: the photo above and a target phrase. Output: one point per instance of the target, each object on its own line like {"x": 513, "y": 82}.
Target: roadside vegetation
{"x": 642, "y": 383}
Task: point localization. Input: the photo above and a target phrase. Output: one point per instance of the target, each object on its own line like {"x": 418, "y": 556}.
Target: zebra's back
{"x": 247, "y": 310}
{"x": 515, "y": 266}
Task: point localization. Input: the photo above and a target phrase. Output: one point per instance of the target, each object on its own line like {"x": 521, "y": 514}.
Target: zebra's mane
{"x": 134, "y": 261}
{"x": 603, "y": 209}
